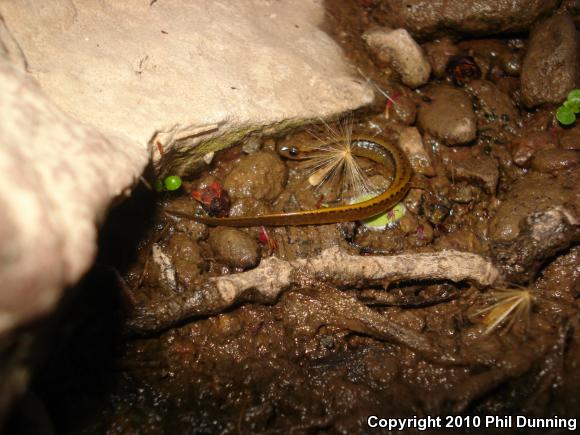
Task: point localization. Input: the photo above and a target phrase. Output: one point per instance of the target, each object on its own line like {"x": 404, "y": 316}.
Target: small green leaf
{"x": 173, "y": 182}
{"x": 565, "y": 115}
{"x": 574, "y": 95}
{"x": 573, "y": 105}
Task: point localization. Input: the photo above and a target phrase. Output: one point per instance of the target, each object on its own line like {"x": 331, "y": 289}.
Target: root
{"x": 265, "y": 283}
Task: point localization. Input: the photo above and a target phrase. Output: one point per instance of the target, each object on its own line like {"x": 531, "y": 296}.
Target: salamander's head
{"x": 290, "y": 152}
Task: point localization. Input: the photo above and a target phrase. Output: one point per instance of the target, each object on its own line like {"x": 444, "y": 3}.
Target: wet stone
{"x": 234, "y": 247}
{"x": 186, "y": 258}
{"x": 524, "y": 148}
{"x": 391, "y": 240}
{"x": 542, "y": 234}
{"x": 398, "y": 49}
{"x": 479, "y": 169}
{"x": 493, "y": 53}
{"x": 438, "y": 53}
{"x": 428, "y": 19}
{"x": 550, "y": 66}
{"x": 448, "y": 115}
{"x": 411, "y": 142}
{"x": 248, "y": 207}
{"x": 194, "y": 230}
{"x": 570, "y": 139}
{"x": 252, "y": 145}
{"x": 496, "y": 107}
{"x": 463, "y": 193}
{"x": 554, "y": 160}
{"x": 261, "y": 175}
{"x": 414, "y": 201}
{"x": 423, "y": 234}
{"x": 532, "y": 193}
{"x": 401, "y": 106}
{"x": 408, "y": 223}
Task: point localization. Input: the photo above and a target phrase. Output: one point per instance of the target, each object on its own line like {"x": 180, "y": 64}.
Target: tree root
{"x": 266, "y": 282}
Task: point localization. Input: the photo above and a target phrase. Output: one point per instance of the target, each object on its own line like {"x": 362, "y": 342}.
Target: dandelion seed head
{"x": 333, "y": 161}
{"x": 508, "y": 306}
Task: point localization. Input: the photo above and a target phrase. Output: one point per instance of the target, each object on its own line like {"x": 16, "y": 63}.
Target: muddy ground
{"x": 495, "y": 175}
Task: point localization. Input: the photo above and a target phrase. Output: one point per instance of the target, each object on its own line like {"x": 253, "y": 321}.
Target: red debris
{"x": 214, "y": 199}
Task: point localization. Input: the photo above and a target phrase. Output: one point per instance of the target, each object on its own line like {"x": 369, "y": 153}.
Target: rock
{"x": 309, "y": 241}
{"x": 480, "y": 169}
{"x": 490, "y": 53}
{"x": 463, "y": 193}
{"x": 497, "y": 107}
{"x": 463, "y": 239}
{"x": 234, "y": 247}
{"x": 411, "y": 142}
{"x": 109, "y": 77}
{"x": 391, "y": 240}
{"x": 554, "y": 160}
{"x": 539, "y": 217}
{"x": 400, "y": 106}
{"x": 398, "y": 49}
{"x": 550, "y": 66}
{"x": 448, "y": 115}
{"x": 181, "y": 74}
{"x": 252, "y": 145}
{"x": 423, "y": 234}
{"x": 194, "y": 230}
{"x": 414, "y": 201}
{"x": 429, "y": 19}
{"x": 438, "y": 53}
{"x": 573, "y": 8}
{"x": 58, "y": 178}
{"x": 542, "y": 235}
{"x": 524, "y": 148}
{"x": 497, "y": 118}
{"x": 186, "y": 258}
{"x": 408, "y": 223}
{"x": 248, "y": 207}
{"x": 188, "y": 206}
{"x": 570, "y": 138}
{"x": 259, "y": 176}
{"x": 532, "y": 193}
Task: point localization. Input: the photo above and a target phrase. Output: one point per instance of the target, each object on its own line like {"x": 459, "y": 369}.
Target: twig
{"x": 266, "y": 282}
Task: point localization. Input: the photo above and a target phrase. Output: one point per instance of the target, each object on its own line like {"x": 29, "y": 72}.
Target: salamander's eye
{"x": 293, "y": 151}
{"x": 289, "y": 151}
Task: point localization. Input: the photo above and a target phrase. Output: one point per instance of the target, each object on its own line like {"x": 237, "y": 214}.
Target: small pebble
{"x": 252, "y": 145}
{"x": 549, "y": 161}
{"x": 398, "y": 49}
{"x": 234, "y": 247}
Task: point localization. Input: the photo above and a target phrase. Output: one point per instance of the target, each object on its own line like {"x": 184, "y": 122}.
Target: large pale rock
{"x": 90, "y": 89}
{"x": 173, "y": 71}
{"x": 57, "y": 178}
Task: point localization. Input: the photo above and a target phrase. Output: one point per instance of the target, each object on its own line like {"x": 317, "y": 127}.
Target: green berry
{"x": 158, "y": 186}
{"x": 565, "y": 115}
{"x": 173, "y": 182}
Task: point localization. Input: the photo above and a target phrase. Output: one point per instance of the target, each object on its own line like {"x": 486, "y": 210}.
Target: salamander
{"x": 373, "y": 149}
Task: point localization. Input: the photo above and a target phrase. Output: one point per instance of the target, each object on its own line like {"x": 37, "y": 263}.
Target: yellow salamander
{"x": 372, "y": 149}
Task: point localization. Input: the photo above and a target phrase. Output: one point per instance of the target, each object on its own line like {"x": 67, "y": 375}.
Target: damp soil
{"x": 304, "y": 364}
